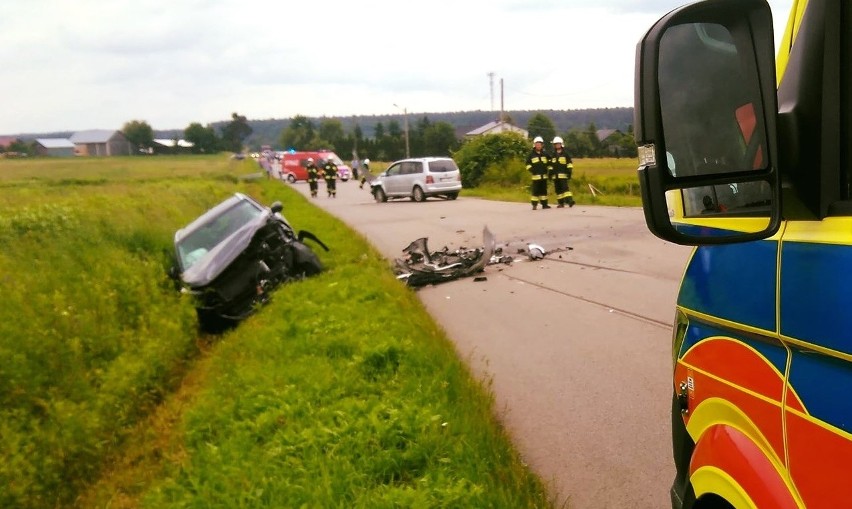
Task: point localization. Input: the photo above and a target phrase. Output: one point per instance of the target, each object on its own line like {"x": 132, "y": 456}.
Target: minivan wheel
{"x": 380, "y": 195}
{"x": 417, "y": 194}
{"x": 291, "y": 178}
{"x": 452, "y": 196}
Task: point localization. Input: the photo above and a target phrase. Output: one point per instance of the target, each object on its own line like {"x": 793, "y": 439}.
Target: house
{"x": 101, "y": 142}
{"x": 61, "y": 147}
{"x": 608, "y": 143}
{"x": 497, "y": 127}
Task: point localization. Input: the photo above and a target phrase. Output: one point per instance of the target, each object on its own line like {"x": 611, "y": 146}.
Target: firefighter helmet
{"x": 557, "y": 140}
{"x": 538, "y": 139}
{"x": 310, "y": 159}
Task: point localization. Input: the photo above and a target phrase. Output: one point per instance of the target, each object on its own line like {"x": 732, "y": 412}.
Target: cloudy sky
{"x": 94, "y": 64}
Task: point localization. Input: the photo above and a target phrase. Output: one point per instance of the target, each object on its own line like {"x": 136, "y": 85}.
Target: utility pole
{"x": 491, "y": 86}
{"x": 501, "y": 99}
{"x": 405, "y": 115}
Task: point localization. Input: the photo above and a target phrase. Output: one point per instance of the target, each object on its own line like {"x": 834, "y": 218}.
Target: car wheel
{"x": 452, "y": 196}
{"x": 291, "y": 178}
{"x": 417, "y": 194}
{"x": 380, "y": 195}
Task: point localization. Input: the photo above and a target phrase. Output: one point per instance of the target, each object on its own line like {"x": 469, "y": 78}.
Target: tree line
{"x": 389, "y": 141}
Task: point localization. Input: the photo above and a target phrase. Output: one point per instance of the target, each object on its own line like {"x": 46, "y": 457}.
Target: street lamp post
{"x": 405, "y": 121}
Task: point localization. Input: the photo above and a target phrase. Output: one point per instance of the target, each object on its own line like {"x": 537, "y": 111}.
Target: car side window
{"x": 394, "y": 170}
{"x": 417, "y": 167}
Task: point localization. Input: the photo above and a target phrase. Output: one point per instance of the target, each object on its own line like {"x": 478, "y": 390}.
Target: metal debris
{"x": 420, "y": 267}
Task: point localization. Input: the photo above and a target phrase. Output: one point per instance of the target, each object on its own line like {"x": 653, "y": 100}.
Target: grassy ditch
{"x": 341, "y": 392}
{"x": 606, "y": 181}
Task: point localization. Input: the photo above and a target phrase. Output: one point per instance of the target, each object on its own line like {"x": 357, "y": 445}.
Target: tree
{"x": 235, "y": 132}
{"x": 19, "y": 146}
{"x": 300, "y": 135}
{"x": 439, "y": 139}
{"x": 139, "y": 133}
{"x": 577, "y": 143}
{"x": 204, "y": 139}
{"x": 541, "y": 125}
{"x": 331, "y": 134}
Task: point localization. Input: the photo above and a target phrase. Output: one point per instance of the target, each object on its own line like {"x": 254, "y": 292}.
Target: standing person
{"x": 313, "y": 176}
{"x": 364, "y": 172}
{"x": 329, "y": 173}
{"x": 355, "y": 164}
{"x": 561, "y": 169}
{"x": 538, "y": 164}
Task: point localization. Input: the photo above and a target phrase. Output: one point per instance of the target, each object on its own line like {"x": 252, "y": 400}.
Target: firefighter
{"x": 329, "y": 173}
{"x": 313, "y": 176}
{"x": 561, "y": 169}
{"x": 538, "y": 164}
{"x": 365, "y": 170}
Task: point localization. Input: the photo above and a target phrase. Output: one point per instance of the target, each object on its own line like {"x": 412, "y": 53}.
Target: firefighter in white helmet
{"x": 561, "y": 168}
{"x": 365, "y": 170}
{"x": 538, "y": 163}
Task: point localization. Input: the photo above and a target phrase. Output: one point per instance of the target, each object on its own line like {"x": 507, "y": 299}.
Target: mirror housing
{"x": 705, "y": 123}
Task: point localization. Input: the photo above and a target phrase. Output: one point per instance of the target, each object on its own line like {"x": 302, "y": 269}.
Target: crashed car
{"x": 234, "y": 255}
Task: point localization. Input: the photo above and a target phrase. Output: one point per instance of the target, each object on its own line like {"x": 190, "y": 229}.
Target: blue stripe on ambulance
{"x": 720, "y": 283}
{"x": 817, "y": 271}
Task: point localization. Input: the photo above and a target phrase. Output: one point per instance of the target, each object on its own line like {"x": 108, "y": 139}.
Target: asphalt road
{"x": 576, "y": 345}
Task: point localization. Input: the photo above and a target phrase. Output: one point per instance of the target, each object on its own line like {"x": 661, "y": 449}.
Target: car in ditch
{"x": 232, "y": 256}
{"x": 417, "y": 179}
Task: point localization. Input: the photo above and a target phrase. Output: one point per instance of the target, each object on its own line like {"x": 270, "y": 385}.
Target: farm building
{"x": 61, "y": 147}
{"x": 101, "y": 142}
{"x": 497, "y": 127}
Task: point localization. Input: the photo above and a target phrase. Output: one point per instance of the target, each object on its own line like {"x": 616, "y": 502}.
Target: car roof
{"x": 212, "y": 213}
{"x": 424, "y": 159}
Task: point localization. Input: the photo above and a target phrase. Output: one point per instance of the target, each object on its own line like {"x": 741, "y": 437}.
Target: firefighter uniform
{"x": 538, "y": 164}
{"x": 561, "y": 168}
{"x": 313, "y": 177}
{"x": 329, "y": 173}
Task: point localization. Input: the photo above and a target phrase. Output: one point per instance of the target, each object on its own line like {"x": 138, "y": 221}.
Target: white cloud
{"x": 95, "y": 64}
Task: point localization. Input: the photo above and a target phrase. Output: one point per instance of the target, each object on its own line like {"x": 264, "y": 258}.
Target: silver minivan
{"x": 418, "y": 178}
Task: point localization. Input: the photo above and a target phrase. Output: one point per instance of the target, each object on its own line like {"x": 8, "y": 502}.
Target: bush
{"x": 498, "y": 151}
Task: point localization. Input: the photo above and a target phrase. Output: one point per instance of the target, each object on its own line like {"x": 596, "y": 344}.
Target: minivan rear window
{"x": 443, "y": 166}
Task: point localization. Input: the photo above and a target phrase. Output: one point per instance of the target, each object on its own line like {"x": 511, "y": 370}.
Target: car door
{"x": 413, "y": 176}
{"x": 392, "y": 179}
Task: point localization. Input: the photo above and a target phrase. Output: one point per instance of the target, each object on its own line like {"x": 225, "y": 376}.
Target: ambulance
{"x": 293, "y": 163}
{"x": 746, "y": 154}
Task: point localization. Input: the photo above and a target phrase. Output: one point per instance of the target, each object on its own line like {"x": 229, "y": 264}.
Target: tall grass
{"x": 340, "y": 393}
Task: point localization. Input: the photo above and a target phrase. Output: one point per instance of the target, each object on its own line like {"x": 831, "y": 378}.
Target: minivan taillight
{"x": 429, "y": 179}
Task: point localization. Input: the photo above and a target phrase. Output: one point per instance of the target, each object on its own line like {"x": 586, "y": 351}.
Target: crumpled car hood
{"x": 208, "y": 268}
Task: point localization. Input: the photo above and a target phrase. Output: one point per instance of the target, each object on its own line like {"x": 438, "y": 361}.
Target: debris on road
{"x": 420, "y": 267}
{"x": 536, "y": 252}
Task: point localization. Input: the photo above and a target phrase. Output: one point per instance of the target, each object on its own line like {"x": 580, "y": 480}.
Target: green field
{"x": 342, "y": 392}
{"x": 605, "y": 181}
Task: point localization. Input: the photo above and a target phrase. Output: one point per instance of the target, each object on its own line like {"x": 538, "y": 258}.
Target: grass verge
{"x": 606, "y": 181}
{"x": 342, "y": 392}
